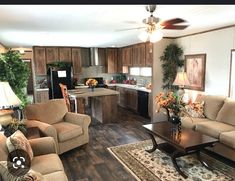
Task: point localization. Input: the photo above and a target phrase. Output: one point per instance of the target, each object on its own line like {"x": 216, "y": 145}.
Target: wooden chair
{"x": 68, "y": 98}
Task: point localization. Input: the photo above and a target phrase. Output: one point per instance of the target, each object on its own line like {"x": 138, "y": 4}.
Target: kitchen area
{"x": 127, "y": 70}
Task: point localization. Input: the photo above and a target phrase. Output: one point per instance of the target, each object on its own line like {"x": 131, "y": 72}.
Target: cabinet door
{"x": 39, "y": 60}
{"x": 127, "y": 56}
{"x": 138, "y": 58}
{"x": 132, "y": 99}
{"x": 149, "y": 54}
{"x": 119, "y": 61}
{"x": 102, "y": 56}
{"x": 52, "y": 54}
{"x": 76, "y": 60}
{"x": 42, "y": 96}
{"x": 112, "y": 60}
{"x": 65, "y": 54}
{"x": 85, "y": 57}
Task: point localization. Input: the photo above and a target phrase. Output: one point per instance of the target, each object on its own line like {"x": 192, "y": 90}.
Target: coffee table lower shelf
{"x": 174, "y": 153}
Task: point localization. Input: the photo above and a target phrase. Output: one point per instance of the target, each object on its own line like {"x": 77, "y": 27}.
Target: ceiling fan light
{"x": 143, "y": 36}
{"x": 156, "y": 36}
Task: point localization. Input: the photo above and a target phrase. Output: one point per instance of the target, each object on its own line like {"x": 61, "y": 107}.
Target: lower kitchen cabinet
{"x": 128, "y": 98}
{"x": 42, "y": 96}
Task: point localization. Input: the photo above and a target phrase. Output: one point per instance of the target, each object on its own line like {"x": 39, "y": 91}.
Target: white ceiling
{"x": 98, "y": 25}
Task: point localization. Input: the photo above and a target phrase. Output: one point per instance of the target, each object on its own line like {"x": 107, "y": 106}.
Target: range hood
{"x": 94, "y": 57}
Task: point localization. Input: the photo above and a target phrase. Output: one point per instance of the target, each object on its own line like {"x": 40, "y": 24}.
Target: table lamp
{"x": 181, "y": 80}
{"x": 8, "y": 100}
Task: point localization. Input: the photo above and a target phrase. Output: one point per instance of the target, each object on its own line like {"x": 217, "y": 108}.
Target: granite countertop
{"x": 42, "y": 89}
{"x": 86, "y": 92}
{"x": 129, "y": 86}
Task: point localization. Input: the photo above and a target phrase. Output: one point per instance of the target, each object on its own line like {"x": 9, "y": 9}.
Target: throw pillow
{"x": 195, "y": 109}
{"x": 30, "y": 176}
{"x": 18, "y": 141}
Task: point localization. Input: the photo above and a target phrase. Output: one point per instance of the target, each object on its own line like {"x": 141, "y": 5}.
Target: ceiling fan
{"x": 154, "y": 25}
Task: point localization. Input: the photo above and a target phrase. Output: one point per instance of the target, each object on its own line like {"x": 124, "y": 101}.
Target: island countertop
{"x": 86, "y": 92}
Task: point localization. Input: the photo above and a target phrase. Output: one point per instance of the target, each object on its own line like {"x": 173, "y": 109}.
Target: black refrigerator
{"x": 55, "y": 76}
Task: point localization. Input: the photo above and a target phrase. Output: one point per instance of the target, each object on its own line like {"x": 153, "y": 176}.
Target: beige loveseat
{"x": 68, "y": 129}
{"x": 45, "y": 161}
{"x": 219, "y": 123}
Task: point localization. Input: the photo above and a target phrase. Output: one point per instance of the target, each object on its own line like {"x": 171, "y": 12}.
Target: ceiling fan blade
{"x": 172, "y": 21}
{"x": 175, "y": 27}
{"x": 130, "y": 29}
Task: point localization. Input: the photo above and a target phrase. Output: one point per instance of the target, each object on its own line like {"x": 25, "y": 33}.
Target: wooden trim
{"x": 230, "y": 72}
{"x": 206, "y": 31}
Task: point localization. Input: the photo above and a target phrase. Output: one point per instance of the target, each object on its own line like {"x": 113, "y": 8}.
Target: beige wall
{"x": 158, "y": 48}
{"x": 217, "y": 45}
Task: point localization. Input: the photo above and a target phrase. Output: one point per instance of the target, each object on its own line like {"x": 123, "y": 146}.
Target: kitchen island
{"x": 103, "y": 102}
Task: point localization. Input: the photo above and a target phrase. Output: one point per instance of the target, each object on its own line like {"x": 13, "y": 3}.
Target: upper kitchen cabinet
{"x": 112, "y": 59}
{"x": 52, "y": 54}
{"x": 149, "y": 54}
{"x": 65, "y": 54}
{"x": 85, "y": 57}
{"x": 39, "y": 60}
{"x": 119, "y": 61}
{"x": 138, "y": 55}
{"x": 76, "y": 60}
{"x": 127, "y": 56}
{"x": 102, "y": 56}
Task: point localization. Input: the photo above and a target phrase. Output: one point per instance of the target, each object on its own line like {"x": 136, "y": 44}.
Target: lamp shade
{"x": 181, "y": 79}
{"x": 8, "y": 98}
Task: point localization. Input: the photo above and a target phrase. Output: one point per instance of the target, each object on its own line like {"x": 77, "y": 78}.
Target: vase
{"x": 92, "y": 88}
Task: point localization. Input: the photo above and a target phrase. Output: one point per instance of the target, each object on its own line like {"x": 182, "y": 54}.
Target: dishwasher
{"x": 143, "y": 103}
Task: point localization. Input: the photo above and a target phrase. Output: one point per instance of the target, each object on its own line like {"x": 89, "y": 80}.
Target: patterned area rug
{"x": 157, "y": 166}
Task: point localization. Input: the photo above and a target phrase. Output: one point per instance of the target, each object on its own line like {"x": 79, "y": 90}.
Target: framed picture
{"x": 195, "y": 67}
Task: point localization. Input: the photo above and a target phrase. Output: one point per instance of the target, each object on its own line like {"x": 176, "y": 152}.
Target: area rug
{"x": 157, "y": 166}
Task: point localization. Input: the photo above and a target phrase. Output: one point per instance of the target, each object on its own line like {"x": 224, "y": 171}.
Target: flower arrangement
{"x": 15, "y": 125}
{"x": 91, "y": 82}
{"x": 171, "y": 101}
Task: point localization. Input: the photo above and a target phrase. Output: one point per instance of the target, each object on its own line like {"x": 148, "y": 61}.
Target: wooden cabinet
{"x": 138, "y": 55}
{"x": 76, "y": 60}
{"x": 52, "y": 54}
{"x": 85, "y": 57}
{"x": 127, "y": 56}
{"x": 112, "y": 59}
{"x": 65, "y": 54}
{"x": 42, "y": 96}
{"x": 149, "y": 54}
{"x": 128, "y": 98}
{"x": 102, "y": 56}
{"x": 39, "y": 60}
{"x": 119, "y": 61}
{"x": 132, "y": 99}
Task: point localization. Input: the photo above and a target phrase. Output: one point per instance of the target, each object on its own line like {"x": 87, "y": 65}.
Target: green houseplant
{"x": 16, "y": 72}
{"x": 171, "y": 61}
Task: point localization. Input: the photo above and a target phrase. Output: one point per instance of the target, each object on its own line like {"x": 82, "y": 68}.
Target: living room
{"x": 98, "y": 158}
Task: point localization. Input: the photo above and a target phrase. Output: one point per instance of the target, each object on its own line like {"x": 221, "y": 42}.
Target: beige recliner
{"x": 68, "y": 129}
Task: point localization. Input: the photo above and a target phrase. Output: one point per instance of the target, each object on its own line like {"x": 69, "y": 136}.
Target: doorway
{"x": 232, "y": 75}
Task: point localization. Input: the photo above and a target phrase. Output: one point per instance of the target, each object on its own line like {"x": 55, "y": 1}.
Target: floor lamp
{"x": 8, "y": 100}
{"x": 181, "y": 80}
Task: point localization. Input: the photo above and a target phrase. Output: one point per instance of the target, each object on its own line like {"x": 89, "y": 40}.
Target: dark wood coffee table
{"x": 178, "y": 143}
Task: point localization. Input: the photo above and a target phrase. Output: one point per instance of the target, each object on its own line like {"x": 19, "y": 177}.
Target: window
{"x": 141, "y": 71}
{"x": 134, "y": 71}
{"x": 232, "y": 76}
{"x": 146, "y": 71}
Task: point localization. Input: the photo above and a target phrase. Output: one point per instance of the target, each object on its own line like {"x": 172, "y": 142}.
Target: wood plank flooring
{"x": 93, "y": 162}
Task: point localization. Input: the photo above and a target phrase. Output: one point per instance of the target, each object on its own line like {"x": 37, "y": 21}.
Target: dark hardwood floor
{"x": 93, "y": 161}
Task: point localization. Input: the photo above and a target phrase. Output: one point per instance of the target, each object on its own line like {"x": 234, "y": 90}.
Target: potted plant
{"x": 171, "y": 61}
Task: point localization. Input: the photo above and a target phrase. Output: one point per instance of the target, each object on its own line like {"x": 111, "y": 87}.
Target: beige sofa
{"x": 45, "y": 161}
{"x": 219, "y": 123}
{"x": 68, "y": 129}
